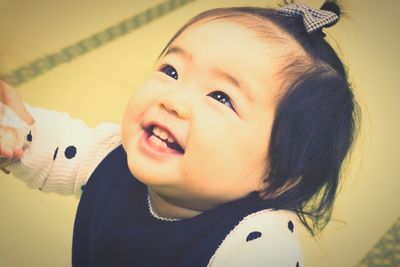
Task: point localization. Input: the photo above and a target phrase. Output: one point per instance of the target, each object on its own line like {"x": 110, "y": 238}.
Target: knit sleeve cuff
{"x": 37, "y": 161}
{"x": 61, "y": 152}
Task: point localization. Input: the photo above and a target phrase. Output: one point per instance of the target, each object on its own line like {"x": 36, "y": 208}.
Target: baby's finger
{"x": 8, "y": 143}
{"x": 10, "y": 97}
{"x": 18, "y": 153}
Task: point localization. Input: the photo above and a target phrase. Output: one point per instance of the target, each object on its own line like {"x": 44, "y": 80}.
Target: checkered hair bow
{"x": 313, "y": 19}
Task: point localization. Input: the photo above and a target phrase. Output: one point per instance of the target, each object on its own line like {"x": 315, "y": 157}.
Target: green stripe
{"x": 385, "y": 253}
{"x": 44, "y": 64}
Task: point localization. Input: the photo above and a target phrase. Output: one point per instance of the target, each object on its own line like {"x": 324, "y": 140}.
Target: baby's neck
{"x": 164, "y": 208}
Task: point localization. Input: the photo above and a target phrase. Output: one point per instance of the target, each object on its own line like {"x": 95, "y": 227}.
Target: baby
{"x": 244, "y": 122}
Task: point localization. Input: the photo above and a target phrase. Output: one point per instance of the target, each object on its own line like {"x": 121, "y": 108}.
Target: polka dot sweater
{"x": 63, "y": 153}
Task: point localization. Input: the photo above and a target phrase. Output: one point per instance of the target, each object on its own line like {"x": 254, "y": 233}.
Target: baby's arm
{"x": 63, "y": 152}
{"x": 265, "y": 238}
{"x": 59, "y": 153}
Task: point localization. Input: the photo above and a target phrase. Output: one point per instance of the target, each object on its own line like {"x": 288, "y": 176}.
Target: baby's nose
{"x": 177, "y": 104}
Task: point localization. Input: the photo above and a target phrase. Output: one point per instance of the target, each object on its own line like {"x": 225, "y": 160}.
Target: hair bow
{"x": 313, "y": 19}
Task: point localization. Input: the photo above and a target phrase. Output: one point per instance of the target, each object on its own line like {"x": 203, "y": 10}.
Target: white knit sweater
{"x": 265, "y": 238}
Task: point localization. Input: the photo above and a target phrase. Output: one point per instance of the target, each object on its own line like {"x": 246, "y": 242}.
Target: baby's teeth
{"x": 160, "y": 132}
{"x": 156, "y": 141}
{"x": 163, "y": 135}
{"x": 156, "y": 131}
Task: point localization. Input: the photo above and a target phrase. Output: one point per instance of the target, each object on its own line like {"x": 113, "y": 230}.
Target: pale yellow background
{"x": 36, "y": 228}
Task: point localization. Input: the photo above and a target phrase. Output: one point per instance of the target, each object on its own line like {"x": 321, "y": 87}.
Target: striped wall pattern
{"x": 385, "y": 253}
{"x": 43, "y": 64}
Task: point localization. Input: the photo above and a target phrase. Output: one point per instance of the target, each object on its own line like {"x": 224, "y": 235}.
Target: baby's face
{"x": 197, "y": 130}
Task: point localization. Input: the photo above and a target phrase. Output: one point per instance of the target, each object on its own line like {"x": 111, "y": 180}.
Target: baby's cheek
{"x": 146, "y": 93}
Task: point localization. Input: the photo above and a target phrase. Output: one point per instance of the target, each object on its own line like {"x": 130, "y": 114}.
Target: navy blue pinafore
{"x": 113, "y": 225}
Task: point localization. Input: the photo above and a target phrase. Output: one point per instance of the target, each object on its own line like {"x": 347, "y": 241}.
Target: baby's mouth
{"x": 163, "y": 138}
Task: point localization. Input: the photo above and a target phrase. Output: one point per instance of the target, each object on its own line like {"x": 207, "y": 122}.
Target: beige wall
{"x": 36, "y": 228}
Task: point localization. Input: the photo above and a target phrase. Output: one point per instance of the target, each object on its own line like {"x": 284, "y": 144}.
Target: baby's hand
{"x": 8, "y": 147}
{"x": 14, "y": 119}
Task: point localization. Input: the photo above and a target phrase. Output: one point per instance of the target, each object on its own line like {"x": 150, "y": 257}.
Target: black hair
{"x": 316, "y": 118}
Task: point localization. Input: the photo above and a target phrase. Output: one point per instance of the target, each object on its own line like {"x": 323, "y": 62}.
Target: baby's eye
{"x": 223, "y": 98}
{"x": 170, "y": 71}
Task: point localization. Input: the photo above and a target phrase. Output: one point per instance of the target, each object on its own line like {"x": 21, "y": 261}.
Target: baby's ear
{"x": 265, "y": 194}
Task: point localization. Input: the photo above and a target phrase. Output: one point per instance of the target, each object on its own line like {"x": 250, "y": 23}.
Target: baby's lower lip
{"x": 155, "y": 151}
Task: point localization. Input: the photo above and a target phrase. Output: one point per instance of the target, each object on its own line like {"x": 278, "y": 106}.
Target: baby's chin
{"x": 148, "y": 174}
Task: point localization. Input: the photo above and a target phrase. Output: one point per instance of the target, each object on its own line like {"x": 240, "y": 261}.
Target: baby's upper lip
{"x": 171, "y": 132}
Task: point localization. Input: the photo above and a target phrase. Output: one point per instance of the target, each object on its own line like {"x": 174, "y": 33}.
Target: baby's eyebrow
{"x": 217, "y": 72}
{"x": 179, "y": 51}
{"x": 237, "y": 84}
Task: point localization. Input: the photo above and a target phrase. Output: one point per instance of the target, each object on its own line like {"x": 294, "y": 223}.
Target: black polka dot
{"x": 40, "y": 189}
{"x": 290, "y": 225}
{"x": 82, "y": 187}
{"x": 70, "y": 152}
{"x": 253, "y": 235}
{"x": 55, "y": 154}
{"x": 29, "y": 136}
{"x": 297, "y": 264}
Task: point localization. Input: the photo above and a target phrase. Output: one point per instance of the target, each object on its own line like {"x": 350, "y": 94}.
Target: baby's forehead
{"x": 270, "y": 34}
{"x": 262, "y": 27}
